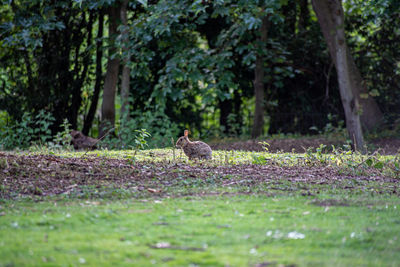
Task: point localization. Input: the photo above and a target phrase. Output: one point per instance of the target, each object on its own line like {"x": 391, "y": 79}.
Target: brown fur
{"x": 196, "y": 149}
{"x": 80, "y": 141}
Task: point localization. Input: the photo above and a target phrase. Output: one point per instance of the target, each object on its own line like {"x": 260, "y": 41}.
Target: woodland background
{"x": 219, "y": 68}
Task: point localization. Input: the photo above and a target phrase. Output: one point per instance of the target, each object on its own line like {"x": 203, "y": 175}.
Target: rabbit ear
{"x": 186, "y": 133}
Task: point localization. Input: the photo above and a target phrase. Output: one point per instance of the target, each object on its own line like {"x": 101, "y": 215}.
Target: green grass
{"x": 209, "y": 231}
{"x": 351, "y": 218}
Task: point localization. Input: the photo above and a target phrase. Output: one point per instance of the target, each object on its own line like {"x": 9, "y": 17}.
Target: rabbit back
{"x": 198, "y": 149}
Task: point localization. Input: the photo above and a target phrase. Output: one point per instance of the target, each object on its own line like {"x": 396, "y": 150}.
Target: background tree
{"x": 331, "y": 18}
{"x": 372, "y": 28}
{"x": 125, "y": 68}
{"x": 371, "y": 116}
{"x": 94, "y": 99}
{"x": 111, "y": 79}
{"x": 192, "y": 64}
{"x": 49, "y": 43}
{"x": 259, "y": 86}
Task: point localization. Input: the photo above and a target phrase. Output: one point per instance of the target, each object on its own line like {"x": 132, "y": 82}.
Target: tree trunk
{"x": 111, "y": 80}
{"x": 259, "y": 94}
{"x": 371, "y": 116}
{"x": 331, "y": 19}
{"x": 125, "y": 69}
{"x": 87, "y": 124}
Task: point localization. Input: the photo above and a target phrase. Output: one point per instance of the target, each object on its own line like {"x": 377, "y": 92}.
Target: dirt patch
{"x": 389, "y": 146}
{"x": 275, "y": 145}
{"x": 43, "y": 175}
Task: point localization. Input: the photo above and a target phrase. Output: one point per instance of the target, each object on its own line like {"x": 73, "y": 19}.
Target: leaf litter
{"x": 47, "y": 175}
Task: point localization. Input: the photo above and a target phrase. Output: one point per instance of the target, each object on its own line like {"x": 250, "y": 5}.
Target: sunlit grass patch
{"x": 217, "y": 231}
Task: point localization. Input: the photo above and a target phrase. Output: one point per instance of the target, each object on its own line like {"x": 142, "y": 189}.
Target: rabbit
{"x": 196, "y": 149}
{"x": 81, "y": 141}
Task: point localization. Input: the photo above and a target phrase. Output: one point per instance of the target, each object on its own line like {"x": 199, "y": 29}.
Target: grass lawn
{"x": 289, "y": 210}
{"x": 235, "y": 230}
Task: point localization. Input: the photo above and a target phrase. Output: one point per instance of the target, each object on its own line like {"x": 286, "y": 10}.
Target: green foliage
{"x": 161, "y": 128}
{"x": 373, "y": 27}
{"x": 18, "y": 135}
{"x": 62, "y": 140}
{"x": 175, "y": 60}
{"x": 41, "y": 127}
{"x": 132, "y": 132}
{"x": 33, "y": 131}
{"x": 188, "y": 57}
{"x": 26, "y": 30}
{"x": 30, "y": 129}
{"x": 140, "y": 139}
{"x": 330, "y": 129}
{"x": 234, "y": 126}
{"x": 46, "y": 57}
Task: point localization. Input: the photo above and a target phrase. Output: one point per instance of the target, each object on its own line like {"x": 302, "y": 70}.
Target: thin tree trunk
{"x": 331, "y": 19}
{"x": 111, "y": 80}
{"x": 125, "y": 69}
{"x": 259, "y": 94}
{"x": 349, "y": 101}
{"x": 99, "y": 77}
{"x": 77, "y": 89}
{"x": 371, "y": 116}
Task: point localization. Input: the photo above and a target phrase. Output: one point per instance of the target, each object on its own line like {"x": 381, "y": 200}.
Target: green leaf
{"x": 379, "y": 165}
{"x": 374, "y": 93}
{"x": 369, "y": 162}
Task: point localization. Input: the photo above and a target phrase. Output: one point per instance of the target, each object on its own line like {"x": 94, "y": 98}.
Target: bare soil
{"x": 388, "y": 146}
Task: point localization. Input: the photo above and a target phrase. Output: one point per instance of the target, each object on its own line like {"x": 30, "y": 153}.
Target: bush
{"x": 27, "y": 131}
{"x": 159, "y": 126}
